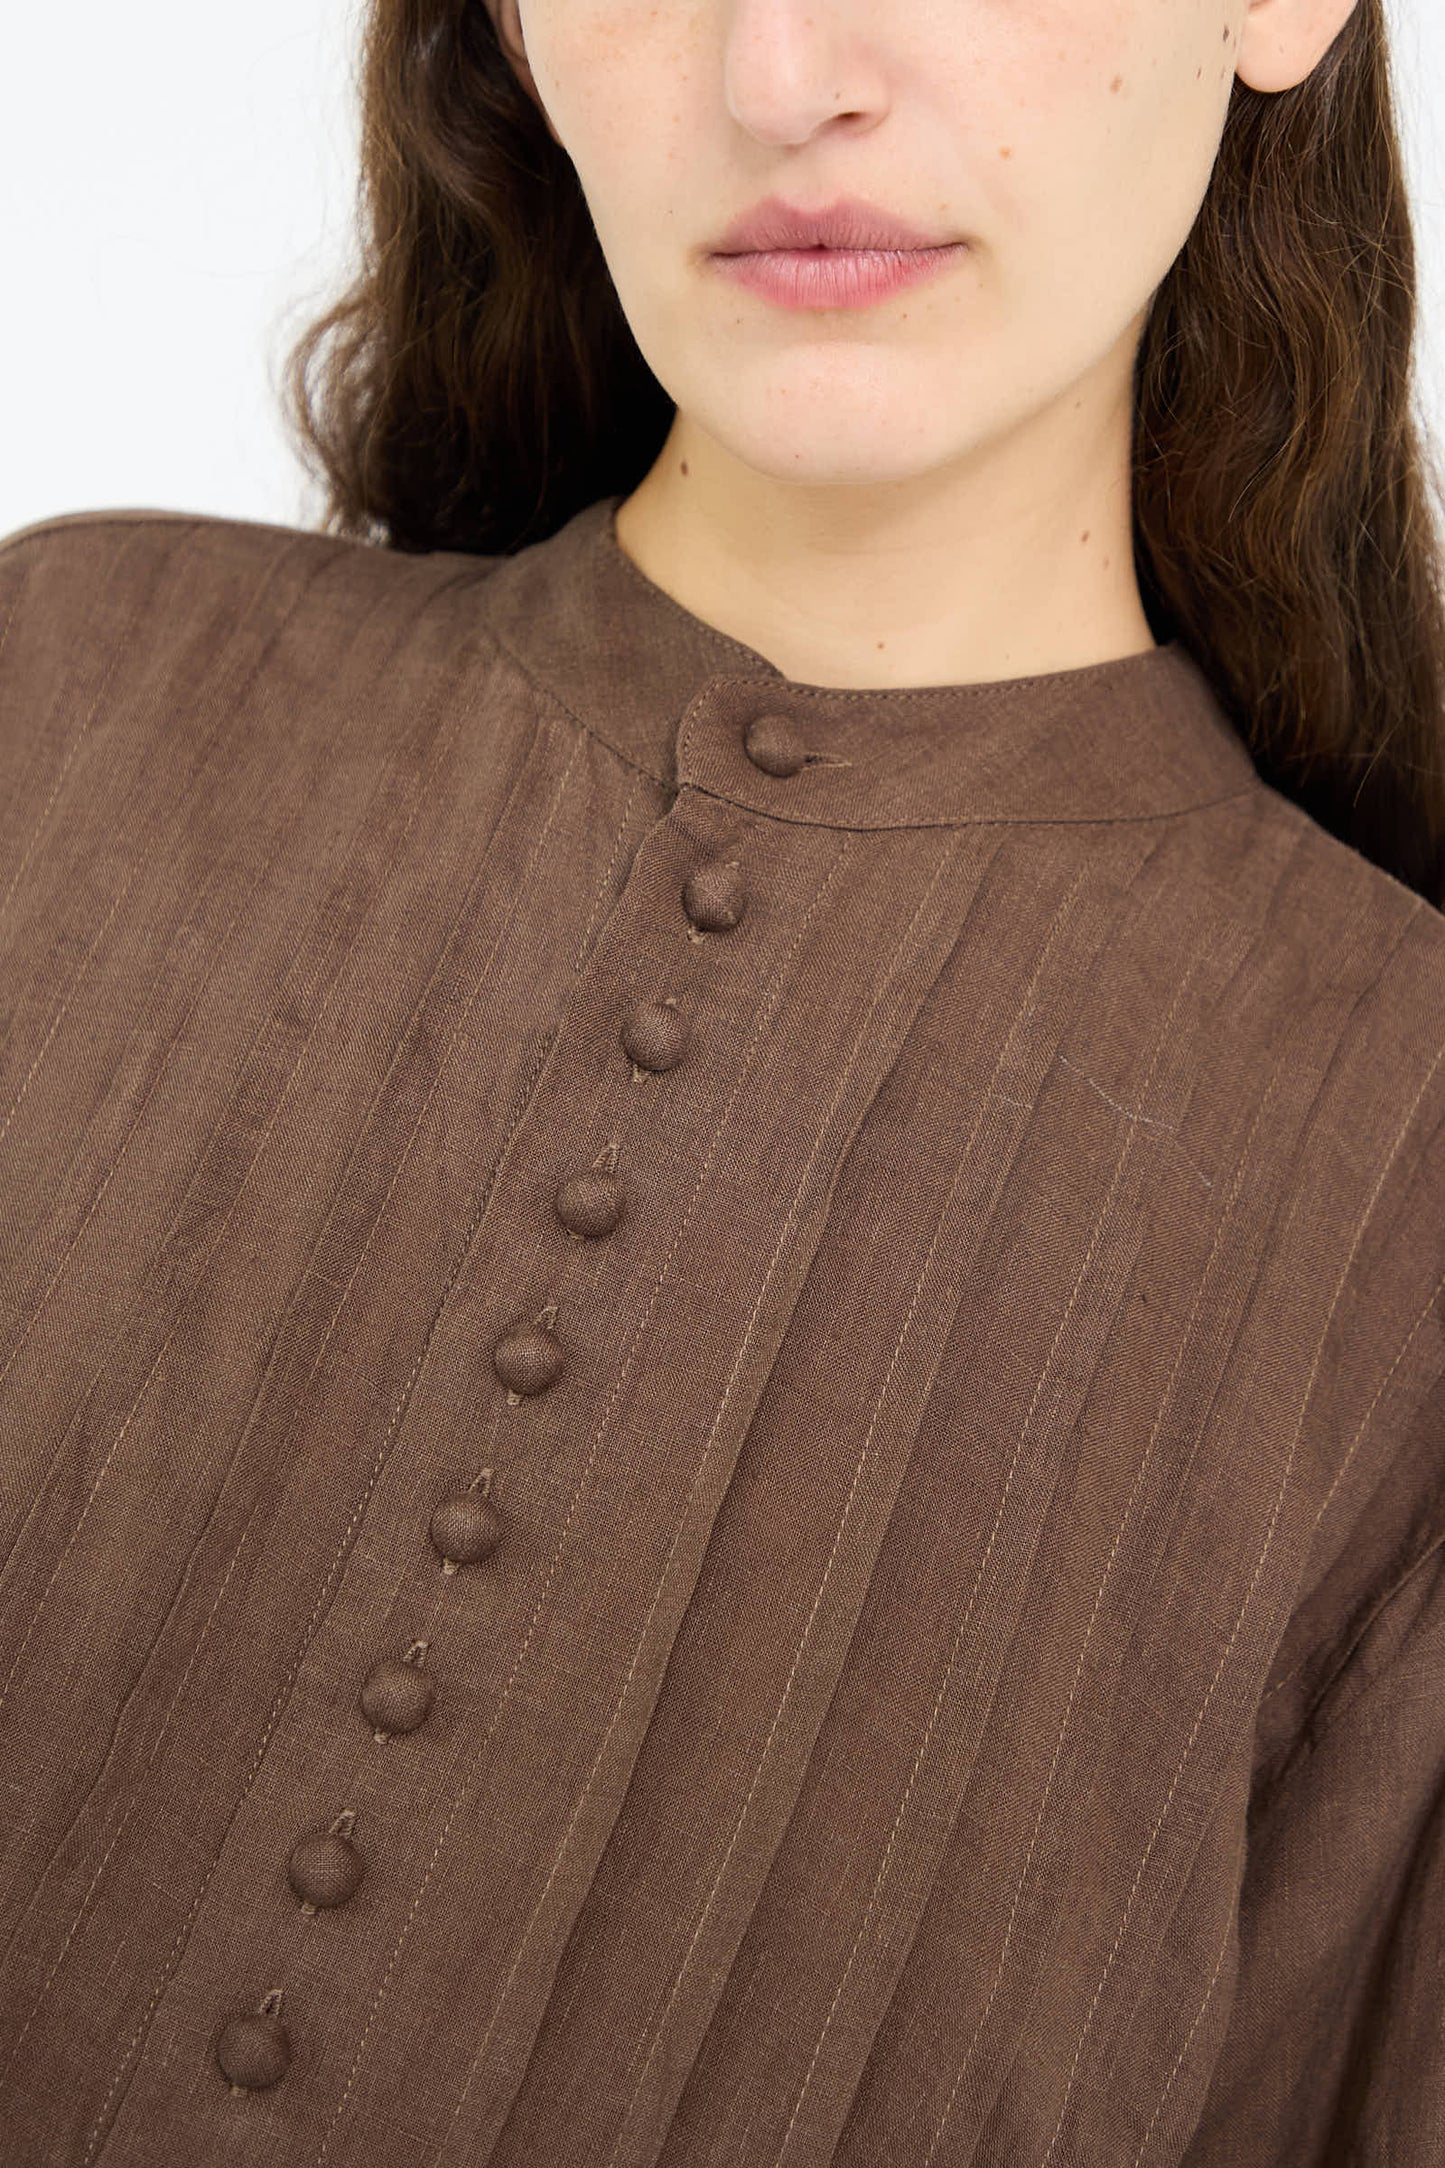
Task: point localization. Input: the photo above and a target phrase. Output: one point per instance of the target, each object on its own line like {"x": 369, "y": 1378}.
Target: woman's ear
{"x": 508, "y": 24}
{"x": 1283, "y": 41}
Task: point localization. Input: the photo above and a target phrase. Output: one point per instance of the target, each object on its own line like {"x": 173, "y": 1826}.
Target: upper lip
{"x": 848, "y": 222}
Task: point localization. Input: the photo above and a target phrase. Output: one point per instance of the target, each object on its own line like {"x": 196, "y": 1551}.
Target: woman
{"x": 722, "y": 1385}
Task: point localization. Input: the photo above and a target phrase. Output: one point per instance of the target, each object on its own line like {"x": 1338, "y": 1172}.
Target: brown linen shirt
{"x": 720, "y": 1402}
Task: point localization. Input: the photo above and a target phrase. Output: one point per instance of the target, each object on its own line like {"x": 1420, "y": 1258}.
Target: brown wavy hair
{"x": 477, "y": 384}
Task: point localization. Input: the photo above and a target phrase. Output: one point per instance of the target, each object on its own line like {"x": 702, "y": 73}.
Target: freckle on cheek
{"x": 1118, "y": 83}
{"x": 1005, "y": 151}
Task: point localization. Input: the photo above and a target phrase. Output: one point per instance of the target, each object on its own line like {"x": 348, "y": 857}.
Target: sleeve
{"x": 1334, "y": 2054}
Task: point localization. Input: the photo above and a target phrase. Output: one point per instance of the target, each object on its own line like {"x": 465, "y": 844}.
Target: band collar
{"x": 1132, "y": 739}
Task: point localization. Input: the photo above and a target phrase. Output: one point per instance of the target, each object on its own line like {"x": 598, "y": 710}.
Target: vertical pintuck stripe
{"x": 720, "y": 1400}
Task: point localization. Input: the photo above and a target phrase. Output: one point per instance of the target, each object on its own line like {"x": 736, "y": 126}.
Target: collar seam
{"x": 539, "y": 685}
{"x": 982, "y": 820}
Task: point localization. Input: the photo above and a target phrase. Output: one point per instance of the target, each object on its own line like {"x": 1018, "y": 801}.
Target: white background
{"x": 177, "y": 200}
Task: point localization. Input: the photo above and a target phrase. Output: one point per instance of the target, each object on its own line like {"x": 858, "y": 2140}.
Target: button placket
{"x": 325, "y": 1866}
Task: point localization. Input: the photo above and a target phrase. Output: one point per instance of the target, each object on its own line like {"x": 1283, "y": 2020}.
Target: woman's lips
{"x": 835, "y": 278}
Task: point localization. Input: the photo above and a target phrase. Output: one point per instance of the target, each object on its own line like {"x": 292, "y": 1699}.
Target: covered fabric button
{"x": 465, "y": 1528}
{"x": 253, "y": 2049}
{"x": 591, "y": 1203}
{"x": 528, "y": 1358}
{"x": 773, "y": 743}
{"x": 715, "y": 896}
{"x": 396, "y": 1696}
{"x": 325, "y": 1867}
{"x": 656, "y": 1034}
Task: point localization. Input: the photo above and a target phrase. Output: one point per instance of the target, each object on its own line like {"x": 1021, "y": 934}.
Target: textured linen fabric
{"x": 941, "y": 1657}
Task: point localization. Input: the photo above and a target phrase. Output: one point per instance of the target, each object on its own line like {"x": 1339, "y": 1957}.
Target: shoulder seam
{"x": 148, "y": 515}
{"x": 102, "y": 518}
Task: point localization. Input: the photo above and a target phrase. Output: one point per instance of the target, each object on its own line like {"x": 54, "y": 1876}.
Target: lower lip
{"x": 835, "y": 278}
